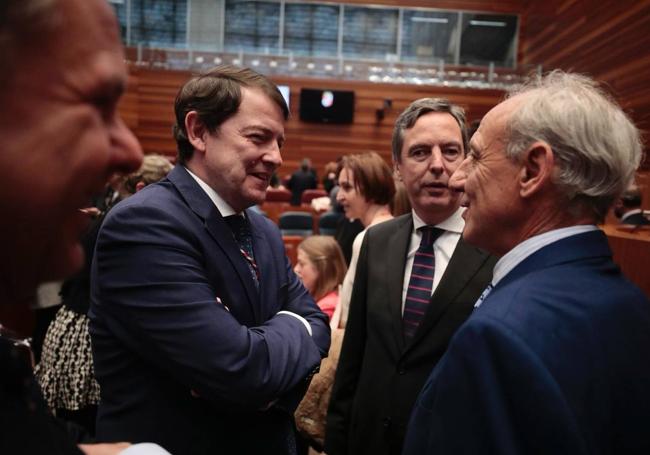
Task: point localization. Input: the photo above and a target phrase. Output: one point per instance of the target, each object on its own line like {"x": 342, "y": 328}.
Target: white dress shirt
{"x": 443, "y": 247}
{"x": 526, "y": 248}
{"x": 226, "y": 210}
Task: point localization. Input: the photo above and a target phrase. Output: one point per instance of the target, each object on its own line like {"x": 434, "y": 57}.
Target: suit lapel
{"x": 462, "y": 267}
{"x": 396, "y": 252}
{"x": 215, "y": 225}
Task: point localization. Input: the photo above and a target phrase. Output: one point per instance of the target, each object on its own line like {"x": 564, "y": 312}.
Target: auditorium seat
{"x": 308, "y": 195}
{"x": 278, "y": 195}
{"x": 291, "y": 243}
{"x": 296, "y": 223}
{"x": 327, "y": 223}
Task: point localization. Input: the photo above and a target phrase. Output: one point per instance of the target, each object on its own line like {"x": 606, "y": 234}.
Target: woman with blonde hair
{"x": 321, "y": 267}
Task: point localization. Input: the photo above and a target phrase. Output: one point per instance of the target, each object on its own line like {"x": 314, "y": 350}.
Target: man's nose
{"x": 273, "y": 155}
{"x": 458, "y": 178}
{"x": 435, "y": 161}
{"x": 126, "y": 151}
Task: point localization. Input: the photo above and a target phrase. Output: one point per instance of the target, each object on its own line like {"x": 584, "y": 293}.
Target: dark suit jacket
{"x": 27, "y": 426}
{"x": 379, "y": 376}
{"x": 555, "y": 361}
{"x": 299, "y": 182}
{"x": 187, "y": 352}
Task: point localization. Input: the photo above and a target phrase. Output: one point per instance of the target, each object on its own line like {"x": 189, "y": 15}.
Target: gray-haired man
{"x": 555, "y": 358}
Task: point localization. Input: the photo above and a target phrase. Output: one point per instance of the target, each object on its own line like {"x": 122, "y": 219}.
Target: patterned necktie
{"x": 418, "y": 293}
{"x": 241, "y": 230}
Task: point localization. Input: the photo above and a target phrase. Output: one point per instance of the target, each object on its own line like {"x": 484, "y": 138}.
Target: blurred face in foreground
{"x": 62, "y": 140}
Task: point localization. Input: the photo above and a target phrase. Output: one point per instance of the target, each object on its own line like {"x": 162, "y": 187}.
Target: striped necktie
{"x": 418, "y": 293}
{"x": 241, "y": 230}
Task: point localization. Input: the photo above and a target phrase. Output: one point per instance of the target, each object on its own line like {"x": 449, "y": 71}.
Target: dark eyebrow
{"x": 263, "y": 130}
{"x": 443, "y": 144}
{"x": 450, "y": 143}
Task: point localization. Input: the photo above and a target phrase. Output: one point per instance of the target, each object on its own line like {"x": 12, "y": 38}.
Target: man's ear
{"x": 196, "y": 131}
{"x": 536, "y": 168}
{"x": 396, "y": 172}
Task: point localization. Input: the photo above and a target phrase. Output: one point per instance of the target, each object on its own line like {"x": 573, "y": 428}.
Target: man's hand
{"x": 104, "y": 449}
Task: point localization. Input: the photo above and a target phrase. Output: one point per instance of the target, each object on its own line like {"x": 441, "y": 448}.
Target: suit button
{"x": 386, "y": 422}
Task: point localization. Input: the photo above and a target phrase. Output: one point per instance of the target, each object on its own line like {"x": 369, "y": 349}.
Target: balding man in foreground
{"x": 555, "y": 357}
{"x": 61, "y": 139}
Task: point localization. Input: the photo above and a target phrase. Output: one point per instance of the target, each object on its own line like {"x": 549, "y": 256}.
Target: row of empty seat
{"x": 284, "y": 195}
{"x": 302, "y": 223}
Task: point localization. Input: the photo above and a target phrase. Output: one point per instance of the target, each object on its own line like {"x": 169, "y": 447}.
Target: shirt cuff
{"x": 300, "y": 318}
{"x": 144, "y": 448}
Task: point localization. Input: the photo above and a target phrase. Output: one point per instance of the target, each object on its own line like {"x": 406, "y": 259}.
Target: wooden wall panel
{"x": 151, "y": 96}
{"x": 607, "y": 39}
{"x": 631, "y": 250}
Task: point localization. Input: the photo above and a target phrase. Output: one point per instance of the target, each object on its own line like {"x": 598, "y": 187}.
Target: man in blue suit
{"x": 554, "y": 359}
{"x": 203, "y": 336}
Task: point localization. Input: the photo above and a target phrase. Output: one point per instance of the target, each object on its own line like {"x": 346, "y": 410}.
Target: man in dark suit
{"x": 390, "y": 344}
{"x": 555, "y": 358}
{"x": 203, "y": 336}
{"x": 301, "y": 180}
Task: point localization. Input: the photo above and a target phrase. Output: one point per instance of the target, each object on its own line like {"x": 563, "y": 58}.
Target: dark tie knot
{"x": 241, "y": 229}
{"x": 429, "y": 235}
{"x": 238, "y": 225}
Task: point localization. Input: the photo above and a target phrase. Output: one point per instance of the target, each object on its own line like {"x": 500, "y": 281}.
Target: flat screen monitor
{"x": 326, "y": 106}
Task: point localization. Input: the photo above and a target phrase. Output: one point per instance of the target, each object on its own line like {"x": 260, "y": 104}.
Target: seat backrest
{"x": 327, "y": 223}
{"x": 296, "y": 223}
{"x": 308, "y": 195}
{"x": 278, "y": 195}
{"x": 291, "y": 243}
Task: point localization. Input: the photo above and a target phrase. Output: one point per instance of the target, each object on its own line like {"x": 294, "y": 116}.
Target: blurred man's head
{"x": 60, "y": 134}
{"x": 429, "y": 143}
{"x": 557, "y": 153}
{"x": 229, "y": 130}
{"x": 631, "y": 199}
{"x": 153, "y": 169}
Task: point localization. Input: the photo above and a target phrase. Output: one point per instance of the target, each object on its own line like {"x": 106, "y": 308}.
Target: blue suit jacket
{"x": 188, "y": 353}
{"x": 555, "y": 361}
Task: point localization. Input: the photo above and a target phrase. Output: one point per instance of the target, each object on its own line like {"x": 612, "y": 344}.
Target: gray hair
{"x": 596, "y": 147}
{"x": 417, "y": 109}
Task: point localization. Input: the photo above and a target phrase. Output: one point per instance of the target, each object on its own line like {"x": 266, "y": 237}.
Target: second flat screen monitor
{"x": 326, "y": 106}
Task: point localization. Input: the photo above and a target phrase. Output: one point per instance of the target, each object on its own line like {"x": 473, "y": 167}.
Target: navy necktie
{"x": 418, "y": 293}
{"x": 241, "y": 230}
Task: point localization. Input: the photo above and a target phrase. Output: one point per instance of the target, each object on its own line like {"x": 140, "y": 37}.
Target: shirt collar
{"x": 455, "y": 223}
{"x": 224, "y": 208}
{"x": 526, "y": 248}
